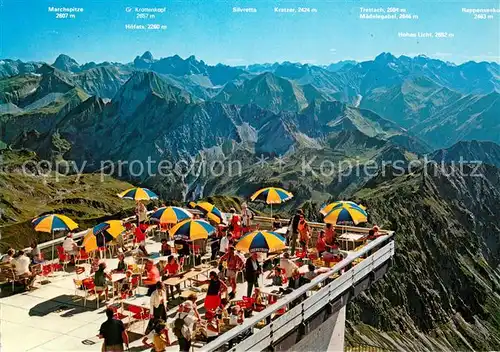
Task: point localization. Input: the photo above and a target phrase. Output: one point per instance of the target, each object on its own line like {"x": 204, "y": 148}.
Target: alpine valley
{"x": 427, "y": 130}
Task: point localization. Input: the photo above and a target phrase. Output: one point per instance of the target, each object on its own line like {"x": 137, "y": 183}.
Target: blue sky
{"x": 211, "y": 31}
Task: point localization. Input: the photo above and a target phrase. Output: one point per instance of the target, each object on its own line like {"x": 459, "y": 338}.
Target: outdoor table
{"x": 138, "y": 301}
{"x": 115, "y": 279}
{"x": 349, "y": 241}
{"x": 164, "y": 258}
{"x": 182, "y": 278}
{"x": 282, "y": 230}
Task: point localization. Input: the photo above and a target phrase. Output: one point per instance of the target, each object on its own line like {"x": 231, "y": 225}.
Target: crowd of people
{"x": 221, "y": 284}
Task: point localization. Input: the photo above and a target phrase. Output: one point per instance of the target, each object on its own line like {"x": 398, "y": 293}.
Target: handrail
{"x": 266, "y": 313}
{"x": 82, "y": 233}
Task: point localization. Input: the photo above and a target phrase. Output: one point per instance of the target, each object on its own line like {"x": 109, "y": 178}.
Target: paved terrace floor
{"x": 51, "y": 317}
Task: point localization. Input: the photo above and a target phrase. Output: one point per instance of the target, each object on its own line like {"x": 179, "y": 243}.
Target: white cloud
{"x": 333, "y": 50}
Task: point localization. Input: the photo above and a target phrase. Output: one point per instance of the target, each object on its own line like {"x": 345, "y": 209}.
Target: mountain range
{"x": 312, "y": 129}
{"x": 430, "y": 98}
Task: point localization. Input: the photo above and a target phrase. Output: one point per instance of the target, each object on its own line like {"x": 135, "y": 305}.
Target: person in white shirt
{"x": 246, "y": 216}
{"x": 158, "y": 302}
{"x": 22, "y": 267}
{"x": 69, "y": 245}
{"x": 225, "y": 242}
{"x": 287, "y": 265}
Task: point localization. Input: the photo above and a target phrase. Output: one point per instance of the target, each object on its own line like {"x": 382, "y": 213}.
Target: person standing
{"x": 158, "y": 303}
{"x": 141, "y": 213}
{"x": 234, "y": 264}
{"x": 295, "y": 230}
{"x": 113, "y": 332}
{"x": 252, "y": 272}
{"x": 246, "y": 217}
{"x": 214, "y": 292}
{"x": 225, "y": 242}
{"x": 235, "y": 224}
{"x": 69, "y": 245}
{"x": 305, "y": 233}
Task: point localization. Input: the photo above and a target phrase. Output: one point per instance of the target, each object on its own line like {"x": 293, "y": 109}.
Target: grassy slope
{"x": 86, "y": 200}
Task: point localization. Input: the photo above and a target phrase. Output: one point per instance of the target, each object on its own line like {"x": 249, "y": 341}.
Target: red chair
{"x": 90, "y": 290}
{"x": 64, "y": 259}
{"x": 300, "y": 254}
{"x": 117, "y": 315}
{"x": 82, "y": 256}
{"x": 139, "y": 313}
{"x": 79, "y": 270}
{"x": 246, "y": 302}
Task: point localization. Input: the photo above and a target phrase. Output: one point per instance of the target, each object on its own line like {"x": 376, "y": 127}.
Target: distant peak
{"x": 385, "y": 57}
{"x": 65, "y": 58}
{"x": 147, "y": 56}
{"x": 191, "y": 58}
{"x": 66, "y": 63}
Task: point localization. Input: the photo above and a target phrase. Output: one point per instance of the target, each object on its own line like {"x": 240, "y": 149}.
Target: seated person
{"x": 165, "y": 249}
{"x": 222, "y": 310}
{"x": 373, "y": 233}
{"x": 158, "y": 336}
{"x": 121, "y": 267}
{"x": 171, "y": 269}
{"x": 310, "y": 274}
{"x": 21, "y": 264}
{"x": 320, "y": 243}
{"x": 36, "y": 254}
{"x": 237, "y": 316}
{"x": 295, "y": 282}
{"x": 277, "y": 275}
{"x": 313, "y": 272}
{"x": 69, "y": 245}
{"x": 126, "y": 284}
{"x": 95, "y": 265}
{"x": 182, "y": 248}
{"x": 152, "y": 277}
{"x": 259, "y": 302}
{"x": 101, "y": 280}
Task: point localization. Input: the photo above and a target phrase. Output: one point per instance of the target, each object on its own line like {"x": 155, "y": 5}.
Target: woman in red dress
{"x": 214, "y": 292}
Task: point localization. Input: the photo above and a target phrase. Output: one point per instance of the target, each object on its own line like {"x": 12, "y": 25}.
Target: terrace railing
{"x": 377, "y": 252}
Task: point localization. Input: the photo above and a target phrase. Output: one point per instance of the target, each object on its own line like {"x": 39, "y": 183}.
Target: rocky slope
{"x": 469, "y": 151}
{"x": 443, "y": 291}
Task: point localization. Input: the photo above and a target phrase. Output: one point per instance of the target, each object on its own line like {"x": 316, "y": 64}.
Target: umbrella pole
{"x": 271, "y": 209}
{"x": 52, "y": 257}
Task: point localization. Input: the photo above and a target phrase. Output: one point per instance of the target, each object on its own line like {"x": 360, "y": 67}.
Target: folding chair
{"x": 64, "y": 259}
{"x": 139, "y": 313}
{"x": 90, "y": 290}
